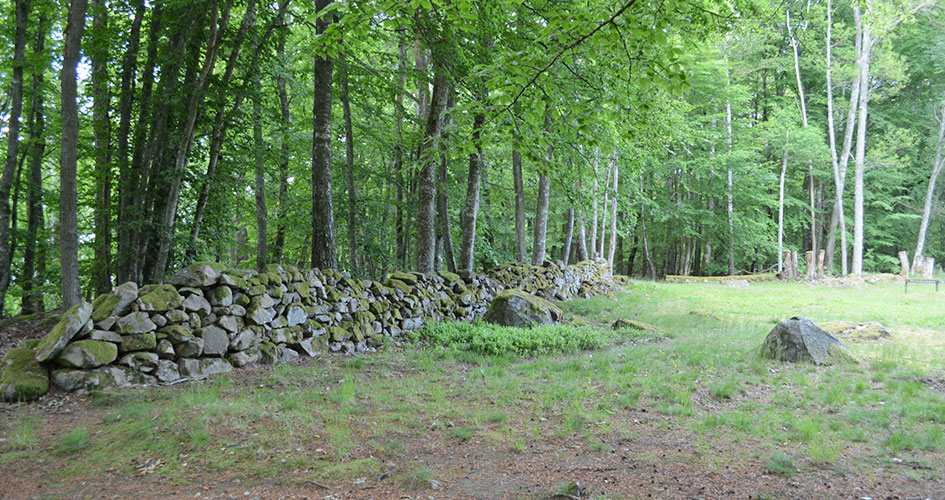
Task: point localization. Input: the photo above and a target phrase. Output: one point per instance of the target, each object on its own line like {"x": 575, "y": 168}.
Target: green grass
{"x": 509, "y": 390}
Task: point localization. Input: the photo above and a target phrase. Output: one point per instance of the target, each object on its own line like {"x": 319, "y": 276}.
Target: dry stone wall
{"x": 208, "y": 319}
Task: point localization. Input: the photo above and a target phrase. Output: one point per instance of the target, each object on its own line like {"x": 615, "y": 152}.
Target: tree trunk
{"x": 471, "y": 210}
{"x": 101, "y": 127}
{"x": 349, "y": 165}
{"x": 442, "y": 192}
{"x": 936, "y": 169}
{"x": 32, "y": 281}
{"x": 285, "y": 151}
{"x": 400, "y": 250}
{"x": 651, "y": 273}
{"x": 860, "y": 161}
{"x": 218, "y": 25}
{"x": 262, "y": 233}
{"x": 539, "y": 236}
{"x": 426, "y": 233}
{"x": 22, "y": 9}
{"x": 218, "y": 132}
{"x": 520, "y": 248}
{"x": 568, "y": 236}
{"x": 125, "y": 257}
{"x": 593, "y": 254}
{"x": 68, "y": 157}
{"x": 613, "y": 214}
{"x": 803, "y": 103}
{"x": 729, "y": 184}
{"x": 784, "y": 162}
{"x": 605, "y": 210}
{"x": 323, "y": 222}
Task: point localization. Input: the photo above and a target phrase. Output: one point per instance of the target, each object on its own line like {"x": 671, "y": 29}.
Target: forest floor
{"x": 689, "y": 412}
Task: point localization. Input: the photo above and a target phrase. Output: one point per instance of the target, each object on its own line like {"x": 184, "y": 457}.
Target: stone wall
{"x": 208, "y": 319}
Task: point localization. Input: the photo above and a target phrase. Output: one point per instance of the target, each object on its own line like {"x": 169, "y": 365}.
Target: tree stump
{"x": 809, "y": 260}
{"x": 904, "y": 262}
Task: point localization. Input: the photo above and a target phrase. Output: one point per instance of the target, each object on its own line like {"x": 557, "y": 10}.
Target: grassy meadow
{"x": 335, "y": 419}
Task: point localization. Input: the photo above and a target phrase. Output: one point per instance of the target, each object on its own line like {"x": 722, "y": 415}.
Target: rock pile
{"x": 208, "y": 319}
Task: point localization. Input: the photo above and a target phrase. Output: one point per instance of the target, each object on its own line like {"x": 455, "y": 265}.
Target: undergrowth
{"x": 486, "y": 338}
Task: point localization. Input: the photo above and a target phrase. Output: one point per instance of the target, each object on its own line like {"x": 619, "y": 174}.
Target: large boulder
{"x": 102, "y": 378}
{"x": 852, "y": 330}
{"x": 22, "y": 378}
{"x": 800, "y": 340}
{"x": 520, "y": 309}
{"x": 72, "y": 322}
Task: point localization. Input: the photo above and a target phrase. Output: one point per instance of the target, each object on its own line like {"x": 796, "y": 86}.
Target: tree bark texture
{"x": 32, "y": 281}
{"x": 929, "y": 193}
{"x": 101, "y": 130}
{"x": 520, "y": 247}
{"x": 471, "y": 210}
{"x": 442, "y": 192}
{"x": 613, "y": 212}
{"x": 349, "y": 165}
{"x": 426, "y": 232}
{"x": 860, "y": 160}
{"x": 22, "y": 9}
{"x": 323, "y": 223}
{"x": 68, "y": 156}
{"x": 262, "y": 232}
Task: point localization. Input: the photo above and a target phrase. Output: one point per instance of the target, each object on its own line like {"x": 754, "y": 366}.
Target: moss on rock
{"x": 159, "y": 298}
{"x": 22, "y": 378}
{"x": 72, "y": 322}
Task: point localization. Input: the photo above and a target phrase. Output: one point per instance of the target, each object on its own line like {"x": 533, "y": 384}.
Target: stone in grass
{"x": 638, "y": 325}
{"x": 86, "y": 354}
{"x": 159, "y": 298}
{"x": 800, "y": 340}
{"x": 22, "y": 378}
{"x": 72, "y": 322}
{"x": 520, "y": 309}
{"x": 852, "y": 330}
{"x": 201, "y": 368}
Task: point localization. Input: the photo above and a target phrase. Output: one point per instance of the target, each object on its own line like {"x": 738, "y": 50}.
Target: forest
{"x": 675, "y": 137}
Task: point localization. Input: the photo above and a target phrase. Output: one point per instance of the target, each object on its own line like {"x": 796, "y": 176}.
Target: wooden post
{"x": 786, "y": 272}
{"x": 904, "y": 262}
{"x": 794, "y": 263}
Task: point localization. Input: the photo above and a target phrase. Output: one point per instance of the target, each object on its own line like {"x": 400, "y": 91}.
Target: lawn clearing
{"x": 687, "y": 411}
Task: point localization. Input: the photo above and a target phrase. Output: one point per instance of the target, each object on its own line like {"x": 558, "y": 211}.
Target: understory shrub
{"x": 486, "y": 338}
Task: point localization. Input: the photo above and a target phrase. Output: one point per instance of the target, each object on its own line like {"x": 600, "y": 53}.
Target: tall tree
{"x": 930, "y": 192}
{"x": 262, "y": 232}
{"x": 471, "y": 210}
{"x": 21, "y": 9}
{"x": 426, "y": 231}
{"x": 323, "y": 219}
{"x": 68, "y": 156}
{"x": 101, "y": 126}
{"x": 32, "y": 280}
{"x": 349, "y": 164}
{"x": 860, "y": 160}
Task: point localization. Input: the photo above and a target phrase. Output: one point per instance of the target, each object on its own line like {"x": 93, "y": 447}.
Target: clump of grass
{"x": 463, "y": 433}
{"x": 725, "y": 389}
{"x": 25, "y": 434}
{"x": 485, "y": 338}
{"x": 73, "y": 441}
{"x": 780, "y": 464}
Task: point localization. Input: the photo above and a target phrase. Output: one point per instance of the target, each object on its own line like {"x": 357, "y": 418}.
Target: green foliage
{"x": 781, "y": 464}
{"x": 486, "y": 338}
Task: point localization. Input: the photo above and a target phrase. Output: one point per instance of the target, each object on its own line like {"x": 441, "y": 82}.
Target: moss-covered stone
{"x": 159, "y": 298}
{"x": 198, "y": 274}
{"x": 449, "y": 277}
{"x": 409, "y": 278}
{"x": 517, "y": 308}
{"x": 241, "y": 300}
{"x": 71, "y": 323}
{"x": 85, "y": 354}
{"x": 257, "y": 290}
{"x": 269, "y": 353}
{"x": 22, "y": 378}
{"x": 636, "y": 325}
{"x": 116, "y": 302}
{"x": 339, "y": 334}
{"x": 399, "y": 285}
{"x": 176, "y": 333}
{"x": 234, "y": 279}
{"x": 138, "y": 342}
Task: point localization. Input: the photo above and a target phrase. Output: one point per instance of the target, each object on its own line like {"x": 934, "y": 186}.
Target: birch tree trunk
{"x": 784, "y": 162}
{"x": 860, "y": 161}
{"x": 936, "y": 170}
{"x": 803, "y": 103}
{"x": 520, "y": 248}
{"x": 613, "y": 214}
{"x": 541, "y": 210}
{"x": 568, "y": 236}
{"x": 729, "y": 184}
{"x": 605, "y": 210}
{"x": 68, "y": 157}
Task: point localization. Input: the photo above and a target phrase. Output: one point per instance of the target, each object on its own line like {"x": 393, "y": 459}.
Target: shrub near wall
{"x": 208, "y": 319}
